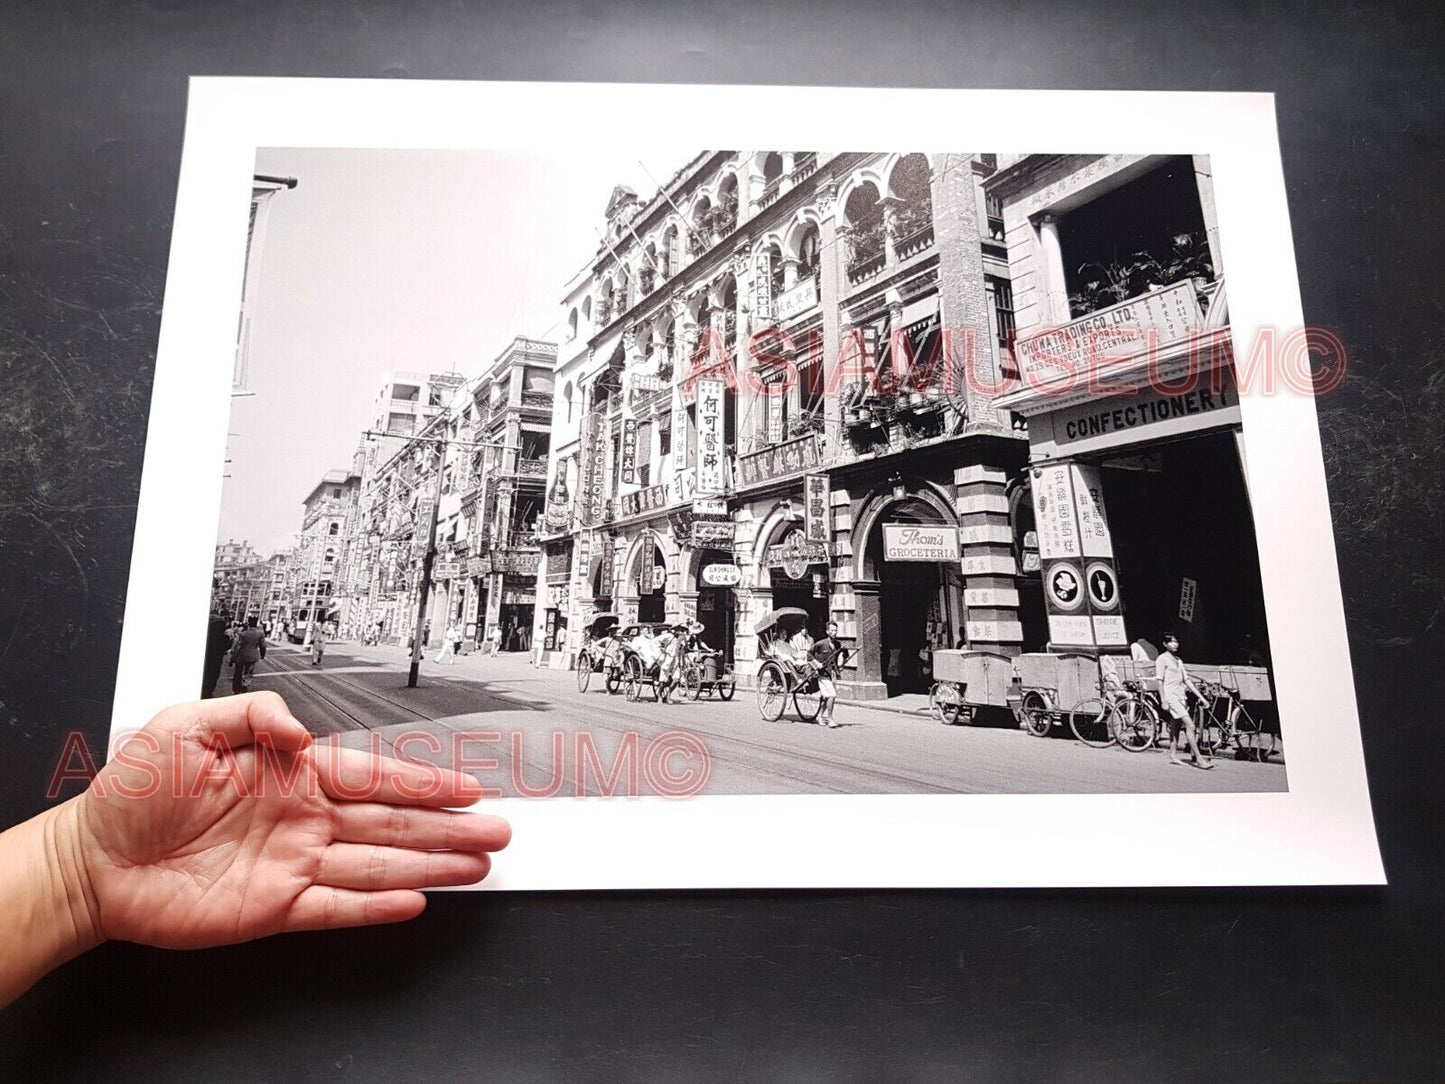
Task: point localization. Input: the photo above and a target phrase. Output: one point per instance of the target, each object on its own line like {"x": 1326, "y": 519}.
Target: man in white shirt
{"x": 646, "y": 646}
{"x": 1174, "y": 682}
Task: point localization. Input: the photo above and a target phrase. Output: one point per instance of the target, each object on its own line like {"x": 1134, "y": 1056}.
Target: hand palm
{"x": 220, "y": 823}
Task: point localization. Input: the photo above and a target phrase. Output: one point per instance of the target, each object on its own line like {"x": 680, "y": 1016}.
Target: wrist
{"x": 68, "y": 918}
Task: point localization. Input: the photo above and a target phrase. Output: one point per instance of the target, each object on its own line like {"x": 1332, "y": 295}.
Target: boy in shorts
{"x": 826, "y": 655}
{"x": 1174, "y": 681}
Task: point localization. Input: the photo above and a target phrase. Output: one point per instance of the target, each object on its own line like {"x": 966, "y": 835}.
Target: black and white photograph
{"x": 660, "y": 478}
{"x": 808, "y": 453}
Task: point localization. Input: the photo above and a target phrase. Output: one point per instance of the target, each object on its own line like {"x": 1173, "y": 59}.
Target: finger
{"x": 372, "y": 869}
{"x": 236, "y": 721}
{"x": 354, "y": 775}
{"x": 323, "y": 908}
{"x": 419, "y": 829}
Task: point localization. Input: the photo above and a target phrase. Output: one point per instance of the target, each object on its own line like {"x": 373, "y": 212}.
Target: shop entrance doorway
{"x": 1185, "y": 548}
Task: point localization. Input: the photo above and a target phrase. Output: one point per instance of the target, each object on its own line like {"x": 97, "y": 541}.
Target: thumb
{"x": 246, "y": 720}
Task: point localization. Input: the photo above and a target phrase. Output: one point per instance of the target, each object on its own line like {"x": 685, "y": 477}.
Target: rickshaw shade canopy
{"x": 785, "y": 615}
{"x": 597, "y": 621}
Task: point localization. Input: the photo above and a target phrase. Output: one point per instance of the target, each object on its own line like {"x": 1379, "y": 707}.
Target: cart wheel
{"x": 1092, "y": 721}
{"x": 632, "y": 679}
{"x": 691, "y": 683}
{"x": 584, "y": 672}
{"x": 1136, "y": 724}
{"x": 772, "y": 692}
{"x": 1037, "y": 713}
{"x": 807, "y": 701}
{"x": 613, "y": 681}
{"x": 725, "y": 686}
{"x": 945, "y": 703}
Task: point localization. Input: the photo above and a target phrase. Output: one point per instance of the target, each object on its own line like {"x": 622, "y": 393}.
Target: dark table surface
{"x": 1192, "y": 985}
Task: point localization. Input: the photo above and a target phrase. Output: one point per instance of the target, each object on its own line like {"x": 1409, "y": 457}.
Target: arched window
{"x": 335, "y": 528}
{"x": 567, "y": 400}
{"x": 913, "y": 220}
{"x": 809, "y": 253}
{"x": 726, "y": 217}
{"x": 864, "y": 215}
{"x": 670, "y": 257}
{"x": 572, "y": 325}
{"x": 586, "y": 308}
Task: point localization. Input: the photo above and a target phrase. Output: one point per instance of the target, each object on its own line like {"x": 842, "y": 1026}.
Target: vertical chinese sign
{"x": 710, "y": 437}
{"x": 629, "y": 450}
{"x": 815, "y": 508}
{"x": 590, "y": 495}
{"x": 1076, "y": 551}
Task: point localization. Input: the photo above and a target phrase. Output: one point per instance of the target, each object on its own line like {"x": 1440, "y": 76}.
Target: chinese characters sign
{"x": 710, "y": 436}
{"x": 591, "y": 498}
{"x": 815, "y": 508}
{"x": 780, "y": 460}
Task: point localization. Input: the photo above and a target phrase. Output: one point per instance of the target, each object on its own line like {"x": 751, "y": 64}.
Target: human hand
{"x": 221, "y": 822}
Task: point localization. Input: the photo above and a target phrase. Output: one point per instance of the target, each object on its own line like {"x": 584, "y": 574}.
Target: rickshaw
{"x": 704, "y": 671}
{"x": 637, "y": 675}
{"x": 779, "y": 678}
{"x": 593, "y": 658}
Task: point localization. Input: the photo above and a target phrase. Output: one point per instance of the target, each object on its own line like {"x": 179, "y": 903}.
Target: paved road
{"x": 537, "y": 730}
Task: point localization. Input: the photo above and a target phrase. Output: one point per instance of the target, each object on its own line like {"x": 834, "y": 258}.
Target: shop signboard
{"x": 795, "y": 553}
{"x": 591, "y": 499}
{"x": 522, "y": 563}
{"x": 718, "y": 536}
{"x": 559, "y": 498}
{"x": 798, "y": 300}
{"x": 629, "y": 450}
{"x": 917, "y": 542}
{"x": 644, "y": 500}
{"x": 1147, "y": 414}
{"x": 780, "y": 460}
{"x": 816, "y": 524}
{"x": 1109, "y": 335}
{"x": 1094, "y": 539}
{"x": 478, "y": 566}
{"x": 720, "y": 575}
{"x": 709, "y": 506}
{"x": 1054, "y": 512}
{"x": 710, "y": 452}
{"x": 679, "y": 438}
{"x": 763, "y": 288}
{"x": 1188, "y": 592}
{"x": 446, "y": 570}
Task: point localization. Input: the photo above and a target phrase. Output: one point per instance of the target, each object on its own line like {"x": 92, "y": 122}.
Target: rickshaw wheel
{"x": 691, "y": 683}
{"x": 584, "y": 671}
{"x": 1037, "y": 717}
{"x": 807, "y": 701}
{"x": 613, "y": 681}
{"x": 725, "y": 686}
{"x": 632, "y": 681}
{"x": 772, "y": 692}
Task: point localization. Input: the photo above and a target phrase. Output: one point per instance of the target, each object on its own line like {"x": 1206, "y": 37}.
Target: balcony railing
{"x": 519, "y": 539}
{"x": 915, "y": 242}
{"x": 532, "y": 467}
{"x": 771, "y": 191}
{"x": 542, "y": 399}
{"x": 805, "y": 165}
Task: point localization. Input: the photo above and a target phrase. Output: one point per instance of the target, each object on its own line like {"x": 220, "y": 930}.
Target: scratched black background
{"x": 1188, "y": 985}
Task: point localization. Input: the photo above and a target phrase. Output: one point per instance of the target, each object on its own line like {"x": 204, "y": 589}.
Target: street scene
{"x": 862, "y": 472}
{"x": 500, "y": 717}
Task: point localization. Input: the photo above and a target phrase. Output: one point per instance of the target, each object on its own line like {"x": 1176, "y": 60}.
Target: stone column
{"x": 1204, "y": 179}
{"x": 890, "y": 205}
{"x": 1056, "y": 293}
{"x": 990, "y": 580}
{"x": 830, "y": 280}
{"x": 867, "y": 647}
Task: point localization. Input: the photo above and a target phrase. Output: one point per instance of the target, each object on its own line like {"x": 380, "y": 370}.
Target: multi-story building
{"x": 280, "y": 577}
{"x": 239, "y": 583}
{"x": 492, "y": 494}
{"x": 777, "y": 391}
{"x": 327, "y": 522}
{"x": 1135, "y": 510}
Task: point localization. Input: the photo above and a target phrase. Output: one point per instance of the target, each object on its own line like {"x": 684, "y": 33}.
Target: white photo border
{"x": 1320, "y": 832}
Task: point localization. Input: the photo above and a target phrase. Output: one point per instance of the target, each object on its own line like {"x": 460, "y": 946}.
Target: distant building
{"x": 262, "y": 189}
{"x": 327, "y": 523}
{"x": 239, "y": 581}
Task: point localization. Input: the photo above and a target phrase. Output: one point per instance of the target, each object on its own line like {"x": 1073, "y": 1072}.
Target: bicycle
{"x": 1236, "y": 728}
{"x": 1123, "y": 717}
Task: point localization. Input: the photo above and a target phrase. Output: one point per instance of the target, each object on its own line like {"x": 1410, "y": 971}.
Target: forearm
{"x": 49, "y": 910}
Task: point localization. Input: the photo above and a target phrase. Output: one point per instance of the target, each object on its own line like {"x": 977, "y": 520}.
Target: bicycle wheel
{"x": 1037, "y": 714}
{"x": 772, "y": 692}
{"x": 1136, "y": 724}
{"x": 945, "y": 703}
{"x": 807, "y": 701}
{"x": 1253, "y": 741}
{"x": 1092, "y": 721}
{"x": 1208, "y": 732}
{"x": 584, "y": 672}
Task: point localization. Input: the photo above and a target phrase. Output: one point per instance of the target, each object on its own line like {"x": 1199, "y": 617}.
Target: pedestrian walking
{"x": 218, "y": 642}
{"x": 247, "y": 650}
{"x": 1174, "y": 681}
{"x": 318, "y": 644}
{"x": 669, "y": 670}
{"x": 451, "y": 646}
{"x": 494, "y": 637}
{"x": 827, "y": 656}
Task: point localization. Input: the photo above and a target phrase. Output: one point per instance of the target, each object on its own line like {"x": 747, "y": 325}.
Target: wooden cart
{"x": 967, "y": 681}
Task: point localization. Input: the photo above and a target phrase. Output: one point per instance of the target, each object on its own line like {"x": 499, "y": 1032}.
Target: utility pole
{"x": 423, "y": 589}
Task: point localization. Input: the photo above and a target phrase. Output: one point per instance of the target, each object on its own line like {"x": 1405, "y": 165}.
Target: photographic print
{"x": 665, "y": 488}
